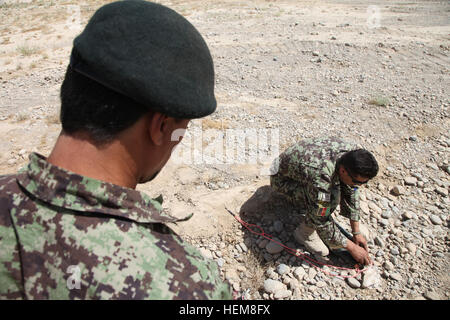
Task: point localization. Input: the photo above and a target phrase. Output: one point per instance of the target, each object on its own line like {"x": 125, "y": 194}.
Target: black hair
{"x": 360, "y": 162}
{"x": 89, "y": 107}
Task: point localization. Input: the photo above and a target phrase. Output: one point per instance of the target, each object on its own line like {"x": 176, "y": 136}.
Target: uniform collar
{"x": 64, "y": 189}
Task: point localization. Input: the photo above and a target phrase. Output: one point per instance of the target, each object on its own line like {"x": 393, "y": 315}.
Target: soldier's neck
{"x": 109, "y": 162}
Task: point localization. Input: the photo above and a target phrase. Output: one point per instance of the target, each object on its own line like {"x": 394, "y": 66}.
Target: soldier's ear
{"x": 156, "y": 128}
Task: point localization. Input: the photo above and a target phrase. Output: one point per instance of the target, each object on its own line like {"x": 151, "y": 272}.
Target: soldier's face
{"x": 351, "y": 180}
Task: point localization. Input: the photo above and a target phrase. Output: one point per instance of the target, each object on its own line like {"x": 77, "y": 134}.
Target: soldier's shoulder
{"x": 8, "y": 186}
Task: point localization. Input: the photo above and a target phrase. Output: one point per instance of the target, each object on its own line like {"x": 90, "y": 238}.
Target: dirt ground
{"x": 374, "y": 72}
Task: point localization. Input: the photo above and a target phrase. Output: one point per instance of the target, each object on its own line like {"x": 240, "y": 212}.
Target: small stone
{"x": 379, "y": 241}
{"x": 442, "y": 191}
{"x": 274, "y": 248}
{"x": 386, "y": 214}
{"x": 388, "y": 266}
{"x": 315, "y": 53}
{"x": 411, "y": 248}
{"x": 371, "y": 278}
{"x": 374, "y": 207}
{"x": 407, "y": 215}
{"x": 398, "y": 191}
{"x": 299, "y": 273}
{"x": 282, "y": 294}
{"x": 435, "y": 219}
{"x": 431, "y": 295}
{"x": 395, "y": 276}
{"x": 321, "y": 284}
{"x": 352, "y": 282}
{"x": 395, "y": 251}
{"x": 282, "y": 269}
{"x": 410, "y": 181}
{"x": 263, "y": 243}
{"x": 278, "y": 226}
{"x": 206, "y": 253}
{"x": 272, "y": 286}
{"x": 312, "y": 273}
{"x": 364, "y": 207}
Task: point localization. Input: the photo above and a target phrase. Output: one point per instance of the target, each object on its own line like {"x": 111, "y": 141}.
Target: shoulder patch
{"x": 325, "y": 197}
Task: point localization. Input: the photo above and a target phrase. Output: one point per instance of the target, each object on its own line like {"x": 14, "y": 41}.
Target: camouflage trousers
{"x": 297, "y": 194}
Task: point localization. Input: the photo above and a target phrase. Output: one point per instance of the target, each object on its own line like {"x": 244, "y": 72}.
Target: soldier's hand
{"x": 361, "y": 241}
{"x": 358, "y": 253}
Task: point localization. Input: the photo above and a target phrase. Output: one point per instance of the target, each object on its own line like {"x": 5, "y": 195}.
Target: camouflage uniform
{"x": 307, "y": 174}
{"x": 54, "y": 224}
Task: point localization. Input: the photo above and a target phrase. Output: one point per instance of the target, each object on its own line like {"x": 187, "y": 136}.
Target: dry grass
{"x": 255, "y": 273}
{"x": 27, "y": 50}
{"x": 379, "y": 101}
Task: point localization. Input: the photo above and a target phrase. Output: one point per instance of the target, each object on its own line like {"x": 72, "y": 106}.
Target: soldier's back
{"x": 114, "y": 249}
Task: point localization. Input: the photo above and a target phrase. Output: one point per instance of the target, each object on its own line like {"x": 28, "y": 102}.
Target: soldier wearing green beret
{"x": 72, "y": 226}
{"x": 317, "y": 175}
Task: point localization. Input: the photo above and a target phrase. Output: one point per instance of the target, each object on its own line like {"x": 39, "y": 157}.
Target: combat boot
{"x": 309, "y": 238}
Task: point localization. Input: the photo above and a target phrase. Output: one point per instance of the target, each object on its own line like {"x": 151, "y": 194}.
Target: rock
{"x": 321, "y": 284}
{"x": 243, "y": 247}
{"x": 374, "y": 207}
{"x": 379, "y": 241}
{"x": 442, "y": 191}
{"x": 282, "y": 269}
{"x": 431, "y": 295}
{"x": 263, "y": 243}
{"x": 410, "y": 181}
{"x": 220, "y": 262}
{"x": 282, "y": 294}
{"x": 272, "y": 286}
{"x": 398, "y": 190}
{"x": 371, "y": 278}
{"x": 395, "y": 251}
{"x": 274, "y": 248}
{"x": 407, "y": 215}
{"x": 386, "y": 214}
{"x": 388, "y": 266}
{"x": 299, "y": 273}
{"x": 411, "y": 248}
{"x": 312, "y": 273}
{"x": 396, "y": 276}
{"x": 278, "y": 226}
{"x": 352, "y": 282}
{"x": 364, "y": 207}
{"x": 206, "y": 253}
{"x": 435, "y": 219}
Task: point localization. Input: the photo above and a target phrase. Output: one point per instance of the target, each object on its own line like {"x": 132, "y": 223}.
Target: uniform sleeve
{"x": 350, "y": 202}
{"x": 10, "y": 270}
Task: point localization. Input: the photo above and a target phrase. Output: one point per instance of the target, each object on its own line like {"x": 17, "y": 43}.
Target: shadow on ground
{"x": 269, "y": 214}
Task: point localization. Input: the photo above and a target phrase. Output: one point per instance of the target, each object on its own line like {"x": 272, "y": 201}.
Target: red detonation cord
{"x": 295, "y": 253}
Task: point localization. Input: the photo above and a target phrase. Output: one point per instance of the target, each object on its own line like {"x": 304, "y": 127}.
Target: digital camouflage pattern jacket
{"x": 307, "y": 173}
{"x": 65, "y": 236}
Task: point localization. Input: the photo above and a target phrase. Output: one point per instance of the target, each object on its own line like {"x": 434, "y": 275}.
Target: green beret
{"x": 149, "y": 53}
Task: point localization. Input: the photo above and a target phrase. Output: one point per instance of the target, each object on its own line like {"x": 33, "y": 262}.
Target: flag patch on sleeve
{"x": 323, "y": 211}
